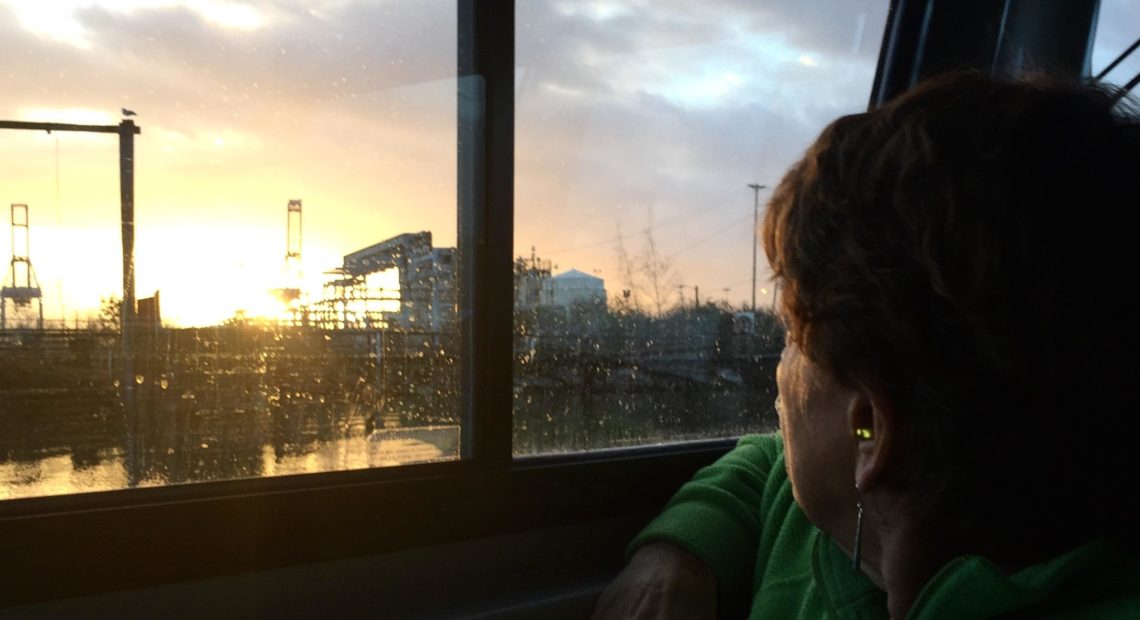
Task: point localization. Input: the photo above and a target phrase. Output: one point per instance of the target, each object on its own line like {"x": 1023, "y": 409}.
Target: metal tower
{"x": 21, "y": 290}
{"x": 292, "y": 290}
{"x": 293, "y": 241}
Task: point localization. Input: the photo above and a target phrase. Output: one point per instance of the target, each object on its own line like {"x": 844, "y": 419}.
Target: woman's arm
{"x": 711, "y": 526}
{"x": 661, "y": 581}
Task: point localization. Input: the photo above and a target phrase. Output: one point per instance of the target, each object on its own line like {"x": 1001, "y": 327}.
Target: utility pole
{"x": 126, "y": 130}
{"x": 756, "y": 187}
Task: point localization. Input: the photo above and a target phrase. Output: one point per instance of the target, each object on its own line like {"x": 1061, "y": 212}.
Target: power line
{"x": 737, "y": 283}
{"x": 684, "y": 217}
{"x": 730, "y": 225}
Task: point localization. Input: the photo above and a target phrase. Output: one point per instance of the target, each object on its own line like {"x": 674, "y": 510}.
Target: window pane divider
{"x": 486, "y": 227}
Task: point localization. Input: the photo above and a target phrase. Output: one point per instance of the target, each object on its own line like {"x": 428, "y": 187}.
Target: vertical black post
{"x": 127, "y": 314}
{"x": 1055, "y": 37}
{"x": 901, "y": 50}
{"x": 486, "y": 41}
{"x": 1000, "y": 37}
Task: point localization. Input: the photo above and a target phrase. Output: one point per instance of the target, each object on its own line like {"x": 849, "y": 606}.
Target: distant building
{"x": 573, "y": 288}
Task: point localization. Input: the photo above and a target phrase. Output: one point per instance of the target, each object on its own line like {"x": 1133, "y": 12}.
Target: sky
{"x": 627, "y": 113}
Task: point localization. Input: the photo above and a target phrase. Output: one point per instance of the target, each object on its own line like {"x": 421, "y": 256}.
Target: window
{"x": 161, "y": 535}
{"x": 648, "y": 140}
{"x": 294, "y": 234}
{"x": 1116, "y": 36}
{"x": 295, "y": 264}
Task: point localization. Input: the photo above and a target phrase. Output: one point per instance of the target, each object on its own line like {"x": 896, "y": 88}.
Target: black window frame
{"x": 74, "y": 545}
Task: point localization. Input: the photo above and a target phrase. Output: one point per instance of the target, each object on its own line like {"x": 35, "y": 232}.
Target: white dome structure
{"x": 575, "y": 287}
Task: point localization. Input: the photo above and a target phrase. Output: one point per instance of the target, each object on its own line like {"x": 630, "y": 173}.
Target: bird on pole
{"x": 127, "y": 112}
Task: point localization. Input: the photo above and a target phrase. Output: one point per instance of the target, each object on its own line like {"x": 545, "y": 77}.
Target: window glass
{"x": 649, "y": 137}
{"x": 1116, "y": 29}
{"x": 293, "y": 240}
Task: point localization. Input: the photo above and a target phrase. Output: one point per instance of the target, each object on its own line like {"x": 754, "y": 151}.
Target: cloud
{"x": 621, "y": 107}
{"x": 660, "y": 107}
{"x": 62, "y": 21}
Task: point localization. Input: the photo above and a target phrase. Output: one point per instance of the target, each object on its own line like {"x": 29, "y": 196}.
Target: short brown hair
{"x": 967, "y": 249}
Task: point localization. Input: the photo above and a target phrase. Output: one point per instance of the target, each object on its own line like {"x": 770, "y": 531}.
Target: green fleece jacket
{"x": 738, "y": 515}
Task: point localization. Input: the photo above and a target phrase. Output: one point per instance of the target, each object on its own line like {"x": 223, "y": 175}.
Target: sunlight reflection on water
{"x": 57, "y": 474}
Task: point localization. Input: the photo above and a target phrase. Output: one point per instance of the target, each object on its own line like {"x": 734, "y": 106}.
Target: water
{"x": 60, "y": 474}
{"x": 247, "y": 401}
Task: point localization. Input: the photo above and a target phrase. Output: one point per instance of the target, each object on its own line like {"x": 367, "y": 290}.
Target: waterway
{"x": 61, "y": 474}
{"x": 235, "y": 402}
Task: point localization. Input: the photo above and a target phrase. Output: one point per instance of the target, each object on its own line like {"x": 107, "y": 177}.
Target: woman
{"x": 958, "y": 422}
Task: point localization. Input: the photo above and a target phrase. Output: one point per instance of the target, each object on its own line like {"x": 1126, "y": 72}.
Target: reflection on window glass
{"x": 293, "y": 240}
{"x": 1117, "y": 28}
{"x": 649, "y": 136}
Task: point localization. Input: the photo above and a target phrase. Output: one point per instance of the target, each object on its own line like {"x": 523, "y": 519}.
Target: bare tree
{"x": 660, "y": 277}
{"x": 627, "y": 270}
{"x": 647, "y": 278}
{"x": 110, "y": 313}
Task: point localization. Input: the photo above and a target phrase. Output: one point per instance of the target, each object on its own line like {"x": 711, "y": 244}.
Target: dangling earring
{"x": 856, "y": 557}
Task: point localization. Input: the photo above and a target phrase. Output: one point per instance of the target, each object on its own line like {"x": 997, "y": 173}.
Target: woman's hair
{"x": 968, "y": 249}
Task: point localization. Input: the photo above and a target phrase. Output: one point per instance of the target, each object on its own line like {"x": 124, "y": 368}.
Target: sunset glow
{"x": 230, "y": 133}
{"x": 635, "y": 122}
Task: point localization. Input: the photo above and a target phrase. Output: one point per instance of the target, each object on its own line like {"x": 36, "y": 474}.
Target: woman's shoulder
{"x": 764, "y": 441}
{"x": 1100, "y": 579}
{"x": 765, "y": 450}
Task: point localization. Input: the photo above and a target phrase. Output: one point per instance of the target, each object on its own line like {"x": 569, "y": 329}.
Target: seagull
{"x": 127, "y": 112}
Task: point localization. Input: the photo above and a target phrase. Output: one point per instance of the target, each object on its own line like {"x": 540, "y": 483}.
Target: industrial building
{"x": 427, "y": 286}
{"x": 573, "y": 288}
{"x": 537, "y": 287}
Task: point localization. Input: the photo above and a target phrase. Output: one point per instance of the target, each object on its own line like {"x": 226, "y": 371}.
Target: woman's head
{"x": 967, "y": 251}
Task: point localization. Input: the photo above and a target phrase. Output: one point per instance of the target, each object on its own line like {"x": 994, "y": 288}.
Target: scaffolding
{"x": 348, "y": 303}
{"x": 21, "y": 299}
{"x": 426, "y": 279}
{"x": 532, "y": 281}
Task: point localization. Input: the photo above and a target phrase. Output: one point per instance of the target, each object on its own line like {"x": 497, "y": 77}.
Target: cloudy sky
{"x": 628, "y": 112}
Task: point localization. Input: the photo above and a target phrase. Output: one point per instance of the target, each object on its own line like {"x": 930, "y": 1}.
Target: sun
{"x": 265, "y": 307}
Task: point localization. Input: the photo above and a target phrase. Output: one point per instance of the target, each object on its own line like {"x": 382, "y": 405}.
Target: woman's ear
{"x": 874, "y": 428}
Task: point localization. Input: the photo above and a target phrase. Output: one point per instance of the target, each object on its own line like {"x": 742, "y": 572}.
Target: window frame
{"x": 92, "y": 543}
